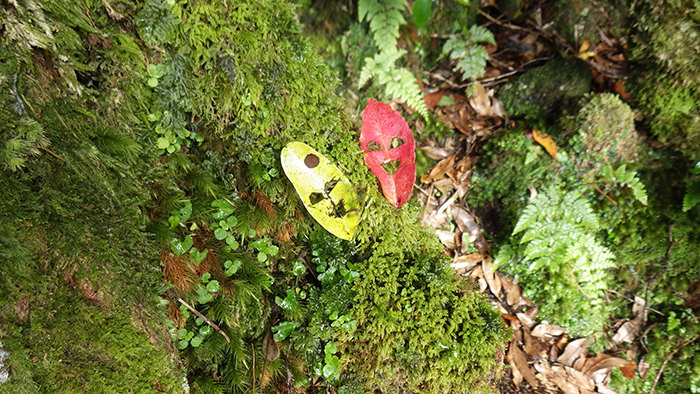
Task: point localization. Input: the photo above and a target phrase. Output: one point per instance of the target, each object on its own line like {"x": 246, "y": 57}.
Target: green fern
{"x": 567, "y": 264}
{"x": 622, "y": 177}
{"x": 385, "y": 18}
{"x": 470, "y": 55}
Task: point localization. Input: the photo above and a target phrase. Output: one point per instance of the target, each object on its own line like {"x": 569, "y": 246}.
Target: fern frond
{"x": 470, "y": 55}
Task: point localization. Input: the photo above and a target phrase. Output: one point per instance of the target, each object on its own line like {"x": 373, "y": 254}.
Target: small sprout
{"x": 198, "y": 321}
{"x": 298, "y": 268}
{"x": 206, "y": 277}
{"x": 220, "y": 233}
{"x": 213, "y": 286}
{"x": 205, "y": 330}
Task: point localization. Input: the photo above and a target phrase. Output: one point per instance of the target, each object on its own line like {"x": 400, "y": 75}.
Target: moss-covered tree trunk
{"x": 139, "y": 142}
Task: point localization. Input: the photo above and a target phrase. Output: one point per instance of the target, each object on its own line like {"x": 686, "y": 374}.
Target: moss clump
{"x": 605, "y": 125}
{"x": 665, "y": 72}
{"x": 541, "y": 88}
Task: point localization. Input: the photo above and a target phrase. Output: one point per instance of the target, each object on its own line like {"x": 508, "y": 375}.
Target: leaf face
{"x": 387, "y": 140}
{"x": 325, "y": 191}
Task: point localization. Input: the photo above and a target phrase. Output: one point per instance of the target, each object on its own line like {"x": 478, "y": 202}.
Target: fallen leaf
{"x": 434, "y": 152}
{"x": 517, "y": 359}
{"x": 546, "y": 141}
{"x": 386, "y": 138}
{"x": 525, "y": 319}
{"x": 447, "y": 238}
{"x": 325, "y": 191}
{"x": 629, "y": 369}
{"x": 573, "y": 351}
{"x": 513, "y": 291}
{"x": 533, "y": 345}
{"x": 467, "y": 224}
{"x": 432, "y": 99}
{"x": 468, "y": 261}
{"x": 628, "y": 331}
{"x": 491, "y": 277}
{"x": 598, "y": 367}
{"x": 480, "y": 100}
{"x": 547, "y": 329}
{"x": 441, "y": 168}
{"x": 620, "y": 89}
{"x": 270, "y": 348}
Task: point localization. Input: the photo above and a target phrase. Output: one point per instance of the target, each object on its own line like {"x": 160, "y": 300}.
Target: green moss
{"x": 665, "y": 66}
{"x": 539, "y": 89}
{"x": 580, "y": 20}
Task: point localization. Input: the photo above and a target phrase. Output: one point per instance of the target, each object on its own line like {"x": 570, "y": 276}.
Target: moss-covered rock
{"x": 665, "y": 71}
{"x": 606, "y": 127}
{"x": 579, "y": 20}
{"x": 541, "y": 88}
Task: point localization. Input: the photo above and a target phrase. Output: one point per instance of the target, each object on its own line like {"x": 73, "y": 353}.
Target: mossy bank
{"x": 139, "y": 142}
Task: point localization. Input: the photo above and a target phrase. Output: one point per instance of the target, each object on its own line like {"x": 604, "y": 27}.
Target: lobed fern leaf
{"x": 471, "y": 57}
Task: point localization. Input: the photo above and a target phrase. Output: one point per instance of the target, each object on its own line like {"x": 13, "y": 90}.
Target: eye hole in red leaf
{"x": 390, "y": 151}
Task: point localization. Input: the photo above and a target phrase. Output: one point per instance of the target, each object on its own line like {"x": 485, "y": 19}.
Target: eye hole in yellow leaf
{"x": 325, "y": 191}
{"x": 546, "y": 141}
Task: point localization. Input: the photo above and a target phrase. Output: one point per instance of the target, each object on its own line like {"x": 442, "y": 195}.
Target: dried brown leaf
{"x": 480, "y": 100}
{"x": 629, "y": 369}
{"x": 525, "y": 319}
{"x": 441, "y": 168}
{"x": 447, "y": 238}
{"x": 468, "y": 261}
{"x": 598, "y": 367}
{"x": 517, "y": 359}
{"x": 491, "y": 277}
{"x": 573, "y": 351}
{"x": 628, "y": 331}
{"x": 638, "y": 306}
{"x": 534, "y": 346}
{"x": 547, "y": 329}
{"x": 435, "y": 152}
{"x": 272, "y": 351}
{"x": 513, "y": 291}
{"x": 432, "y": 99}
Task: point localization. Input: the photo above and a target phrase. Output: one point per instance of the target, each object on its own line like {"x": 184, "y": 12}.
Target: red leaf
{"x": 382, "y": 126}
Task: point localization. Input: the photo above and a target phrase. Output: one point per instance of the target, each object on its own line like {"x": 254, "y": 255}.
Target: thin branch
{"x": 199, "y": 315}
{"x": 253, "y": 347}
{"x": 631, "y": 300}
{"x": 663, "y": 365}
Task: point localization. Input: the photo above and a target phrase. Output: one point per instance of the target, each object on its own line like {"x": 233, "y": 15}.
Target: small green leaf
{"x": 181, "y": 333}
{"x": 162, "y": 143}
{"x": 421, "y": 12}
{"x": 183, "y": 344}
{"x": 231, "y": 241}
{"x": 330, "y": 348}
{"x": 220, "y": 233}
{"x": 196, "y": 341}
{"x": 198, "y": 257}
{"x": 232, "y": 267}
{"x": 153, "y": 82}
{"x": 174, "y": 220}
{"x": 232, "y": 221}
{"x": 181, "y": 247}
{"x": 283, "y": 330}
{"x": 205, "y": 330}
{"x": 204, "y": 298}
{"x": 198, "y": 321}
{"x": 205, "y": 277}
{"x": 224, "y": 207}
{"x": 262, "y": 257}
{"x": 186, "y": 212}
{"x": 213, "y": 286}
{"x": 298, "y": 268}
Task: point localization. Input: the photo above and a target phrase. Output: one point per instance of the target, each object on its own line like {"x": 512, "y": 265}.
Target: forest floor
{"x": 542, "y": 358}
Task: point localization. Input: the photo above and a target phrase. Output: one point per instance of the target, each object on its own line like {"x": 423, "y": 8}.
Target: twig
{"x": 253, "y": 347}
{"x": 663, "y": 365}
{"x": 631, "y": 300}
{"x": 427, "y": 202}
{"x": 199, "y": 315}
{"x": 571, "y": 271}
{"x": 508, "y": 25}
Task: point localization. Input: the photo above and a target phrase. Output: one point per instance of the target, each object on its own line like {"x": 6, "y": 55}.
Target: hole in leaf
{"x": 391, "y": 166}
{"x": 396, "y": 142}
{"x": 311, "y": 160}
{"x": 315, "y": 198}
{"x": 339, "y": 209}
{"x": 330, "y": 185}
{"x": 373, "y": 146}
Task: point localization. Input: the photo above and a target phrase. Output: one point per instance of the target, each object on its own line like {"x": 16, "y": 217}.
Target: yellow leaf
{"x": 546, "y": 141}
{"x": 325, "y": 191}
